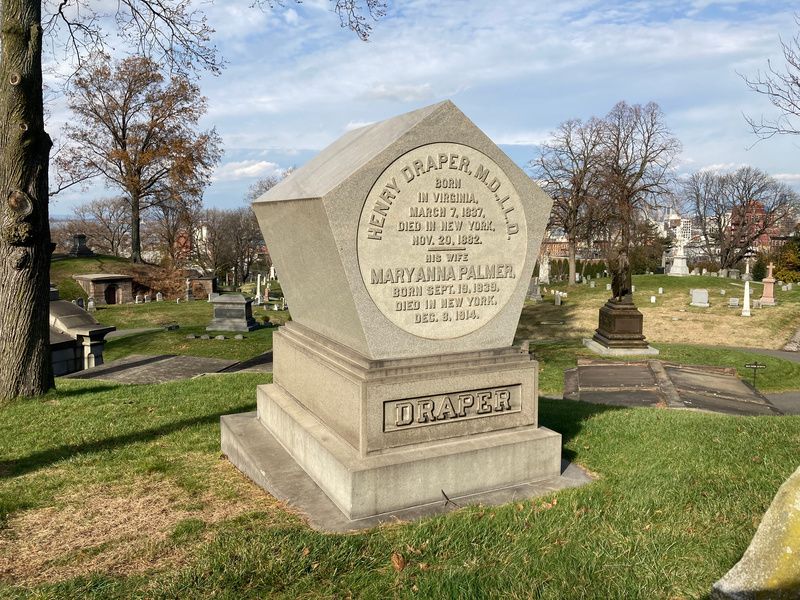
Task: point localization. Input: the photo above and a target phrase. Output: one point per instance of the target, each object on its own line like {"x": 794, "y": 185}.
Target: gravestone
{"x": 544, "y": 269}
{"x": 592, "y": 284}
{"x": 733, "y": 302}
{"x": 722, "y": 273}
{"x": 232, "y": 312}
{"x": 660, "y": 290}
{"x": 700, "y": 298}
{"x": 652, "y": 299}
{"x": 608, "y": 287}
{"x": 138, "y": 299}
{"x": 695, "y": 271}
{"x": 768, "y": 295}
{"x": 159, "y": 297}
{"x": 147, "y": 298}
{"x": 722, "y": 292}
{"x": 79, "y": 247}
{"x": 534, "y": 291}
{"x": 90, "y": 306}
{"x": 396, "y": 380}
{"x": 678, "y": 267}
{"x": 746, "y": 301}
{"x": 557, "y": 300}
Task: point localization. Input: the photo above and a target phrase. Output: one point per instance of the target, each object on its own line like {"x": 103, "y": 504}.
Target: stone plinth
{"x": 355, "y": 424}
{"x": 700, "y": 298}
{"x": 620, "y": 327}
{"x": 396, "y": 379}
{"x": 79, "y": 247}
{"x": 232, "y": 312}
{"x": 679, "y": 267}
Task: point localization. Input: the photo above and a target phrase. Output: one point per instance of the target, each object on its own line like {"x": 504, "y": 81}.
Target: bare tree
{"x": 637, "y": 153}
{"x": 106, "y": 220}
{"x": 782, "y": 89}
{"x": 137, "y": 132}
{"x": 568, "y": 168}
{"x": 736, "y": 209}
{"x": 172, "y": 32}
{"x": 265, "y": 184}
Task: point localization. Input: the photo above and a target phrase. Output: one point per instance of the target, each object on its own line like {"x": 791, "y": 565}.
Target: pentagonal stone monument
{"x": 405, "y": 251}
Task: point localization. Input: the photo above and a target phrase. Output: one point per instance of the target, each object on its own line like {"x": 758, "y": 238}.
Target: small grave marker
{"x": 755, "y": 366}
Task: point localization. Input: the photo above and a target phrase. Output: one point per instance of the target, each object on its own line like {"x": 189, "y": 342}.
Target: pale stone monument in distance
{"x": 768, "y": 295}
{"x": 405, "y": 250}
{"x": 679, "y": 267}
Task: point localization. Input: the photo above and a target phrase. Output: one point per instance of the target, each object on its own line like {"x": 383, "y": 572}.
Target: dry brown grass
{"x": 120, "y": 530}
{"x": 670, "y": 319}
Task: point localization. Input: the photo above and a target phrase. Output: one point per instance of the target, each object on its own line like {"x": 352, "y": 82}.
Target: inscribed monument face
{"x": 442, "y": 240}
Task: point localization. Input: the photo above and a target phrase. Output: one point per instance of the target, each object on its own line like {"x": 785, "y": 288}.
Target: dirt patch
{"x": 120, "y": 530}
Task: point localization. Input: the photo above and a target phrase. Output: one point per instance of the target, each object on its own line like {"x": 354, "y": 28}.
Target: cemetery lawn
{"x": 670, "y": 320}
{"x": 119, "y": 491}
{"x": 192, "y": 318}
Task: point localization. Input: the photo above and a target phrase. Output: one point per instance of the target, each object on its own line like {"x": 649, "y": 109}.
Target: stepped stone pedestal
{"x": 405, "y": 251}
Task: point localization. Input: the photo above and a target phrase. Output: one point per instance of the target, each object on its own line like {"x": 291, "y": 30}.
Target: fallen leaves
{"x": 398, "y": 562}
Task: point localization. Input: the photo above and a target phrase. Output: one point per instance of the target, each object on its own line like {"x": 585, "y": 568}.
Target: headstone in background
{"x": 722, "y": 292}
{"x": 733, "y": 302}
{"x": 159, "y": 297}
{"x": 90, "y": 306}
{"x": 700, "y": 298}
{"x": 534, "y": 291}
{"x": 138, "y": 299}
{"x": 558, "y": 299}
{"x": 608, "y": 287}
{"x": 592, "y": 284}
{"x": 652, "y": 299}
{"x": 232, "y": 312}
{"x": 660, "y": 290}
{"x": 147, "y": 298}
{"x": 544, "y": 269}
{"x": 722, "y": 273}
{"x": 79, "y": 247}
{"x": 678, "y": 267}
{"x": 695, "y": 271}
{"x": 733, "y": 273}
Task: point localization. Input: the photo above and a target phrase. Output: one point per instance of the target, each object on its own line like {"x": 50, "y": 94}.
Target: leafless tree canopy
{"x": 781, "y": 86}
{"x": 137, "y": 132}
{"x": 735, "y": 209}
{"x": 568, "y": 168}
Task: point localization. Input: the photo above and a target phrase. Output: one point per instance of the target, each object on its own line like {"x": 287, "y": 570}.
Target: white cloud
{"x": 357, "y": 125}
{"x": 788, "y": 178}
{"x": 245, "y": 169}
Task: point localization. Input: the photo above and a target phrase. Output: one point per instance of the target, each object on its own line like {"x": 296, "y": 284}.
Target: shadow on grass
{"x": 61, "y": 392}
{"x": 45, "y": 458}
{"x": 568, "y": 416}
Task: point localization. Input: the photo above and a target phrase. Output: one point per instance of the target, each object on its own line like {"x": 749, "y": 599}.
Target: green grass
{"x": 676, "y": 502}
{"x": 62, "y": 270}
{"x": 192, "y": 318}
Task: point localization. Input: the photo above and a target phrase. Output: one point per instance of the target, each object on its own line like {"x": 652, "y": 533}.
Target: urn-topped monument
{"x": 405, "y": 251}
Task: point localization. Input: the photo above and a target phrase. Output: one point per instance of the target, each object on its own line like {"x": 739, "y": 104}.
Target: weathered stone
{"x": 770, "y": 567}
{"x": 700, "y": 298}
{"x": 397, "y": 374}
{"x": 232, "y": 312}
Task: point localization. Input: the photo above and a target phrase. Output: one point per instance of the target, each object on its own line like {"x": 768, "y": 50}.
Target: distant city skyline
{"x": 296, "y": 81}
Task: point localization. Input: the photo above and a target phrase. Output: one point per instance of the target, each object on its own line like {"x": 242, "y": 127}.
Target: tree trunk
{"x": 25, "y": 367}
{"x": 136, "y": 240}
{"x": 572, "y": 250}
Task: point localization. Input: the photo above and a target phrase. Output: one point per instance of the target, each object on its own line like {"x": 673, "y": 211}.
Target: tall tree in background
{"x": 637, "y": 153}
{"x": 172, "y": 32}
{"x": 782, "y": 89}
{"x": 736, "y": 209}
{"x": 138, "y": 133}
{"x": 568, "y": 169}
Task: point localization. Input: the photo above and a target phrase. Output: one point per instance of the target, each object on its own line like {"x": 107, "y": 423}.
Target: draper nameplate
{"x": 409, "y": 413}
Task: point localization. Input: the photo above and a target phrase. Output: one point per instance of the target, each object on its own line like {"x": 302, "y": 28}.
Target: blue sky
{"x": 296, "y": 81}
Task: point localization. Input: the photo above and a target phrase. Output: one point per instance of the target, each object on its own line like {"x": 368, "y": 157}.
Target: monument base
{"x": 605, "y": 351}
{"x": 620, "y": 327}
{"x": 387, "y": 435}
{"x": 256, "y": 452}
